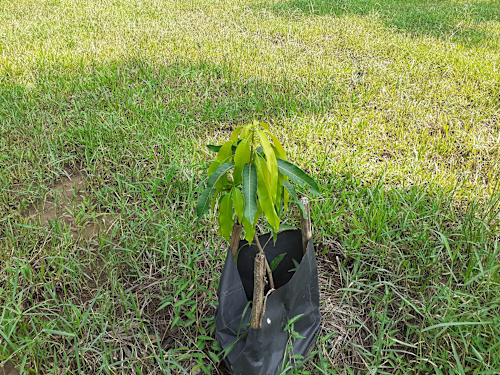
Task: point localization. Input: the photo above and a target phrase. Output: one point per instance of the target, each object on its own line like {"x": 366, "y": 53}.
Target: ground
{"x": 393, "y": 107}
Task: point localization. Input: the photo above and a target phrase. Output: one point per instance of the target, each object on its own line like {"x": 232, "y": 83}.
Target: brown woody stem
{"x": 305, "y": 224}
{"x": 269, "y": 272}
{"x": 258, "y": 291}
{"x": 235, "y": 238}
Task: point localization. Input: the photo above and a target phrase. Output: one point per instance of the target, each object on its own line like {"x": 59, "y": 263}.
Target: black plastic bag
{"x": 262, "y": 351}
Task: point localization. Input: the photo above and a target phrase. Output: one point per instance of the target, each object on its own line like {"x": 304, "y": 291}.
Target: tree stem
{"x": 305, "y": 224}
{"x": 258, "y": 291}
{"x": 235, "y": 238}
{"x": 269, "y": 272}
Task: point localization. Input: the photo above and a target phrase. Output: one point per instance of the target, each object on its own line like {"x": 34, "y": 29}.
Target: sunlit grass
{"x": 393, "y": 107}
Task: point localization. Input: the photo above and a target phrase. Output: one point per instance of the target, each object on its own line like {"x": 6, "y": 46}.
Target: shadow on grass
{"x": 443, "y": 19}
{"x": 123, "y": 111}
{"x": 129, "y": 125}
{"x": 196, "y": 93}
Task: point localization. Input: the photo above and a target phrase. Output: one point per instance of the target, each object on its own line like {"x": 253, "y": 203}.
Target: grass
{"x": 470, "y": 23}
{"x": 393, "y": 107}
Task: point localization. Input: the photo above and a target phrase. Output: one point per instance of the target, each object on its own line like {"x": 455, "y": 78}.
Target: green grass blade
{"x": 455, "y": 324}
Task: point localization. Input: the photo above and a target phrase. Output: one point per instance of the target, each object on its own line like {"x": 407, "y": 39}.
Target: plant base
{"x": 262, "y": 351}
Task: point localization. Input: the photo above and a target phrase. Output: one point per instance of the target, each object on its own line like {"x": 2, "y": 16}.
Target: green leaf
{"x": 264, "y": 125}
{"x": 216, "y": 175}
{"x": 250, "y": 227}
{"x": 455, "y": 324}
{"x": 286, "y": 194}
{"x": 295, "y": 319}
{"x": 239, "y": 204}
{"x": 258, "y": 214}
{"x": 226, "y": 216}
{"x": 228, "y": 349}
{"x": 214, "y": 199}
{"x": 214, "y": 148}
{"x": 249, "y": 191}
{"x": 213, "y": 166}
{"x": 263, "y": 173}
{"x": 286, "y": 198}
{"x": 296, "y": 266}
{"x": 241, "y": 157}
{"x": 164, "y": 304}
{"x": 281, "y": 153}
{"x": 214, "y": 357}
{"x": 272, "y": 165}
{"x": 276, "y": 261}
{"x": 264, "y": 195}
{"x": 249, "y": 230}
{"x": 297, "y": 175}
{"x": 288, "y": 186}
{"x": 279, "y": 192}
{"x": 225, "y": 151}
{"x": 203, "y": 203}
{"x": 236, "y": 133}
{"x": 246, "y": 132}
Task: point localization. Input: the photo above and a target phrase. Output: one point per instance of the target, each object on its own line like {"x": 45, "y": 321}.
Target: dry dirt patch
{"x": 65, "y": 203}
{"x": 8, "y": 369}
{"x": 67, "y": 194}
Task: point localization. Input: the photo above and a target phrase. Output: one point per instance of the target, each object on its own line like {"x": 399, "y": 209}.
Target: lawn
{"x": 105, "y": 107}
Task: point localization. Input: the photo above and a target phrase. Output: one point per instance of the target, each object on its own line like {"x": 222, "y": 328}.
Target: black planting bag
{"x": 262, "y": 351}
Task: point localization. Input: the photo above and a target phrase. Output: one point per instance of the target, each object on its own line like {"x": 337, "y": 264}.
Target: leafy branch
{"x": 251, "y": 177}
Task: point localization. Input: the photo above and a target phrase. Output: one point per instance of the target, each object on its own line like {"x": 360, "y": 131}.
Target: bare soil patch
{"x": 65, "y": 196}
{"x": 8, "y": 369}
{"x": 65, "y": 204}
